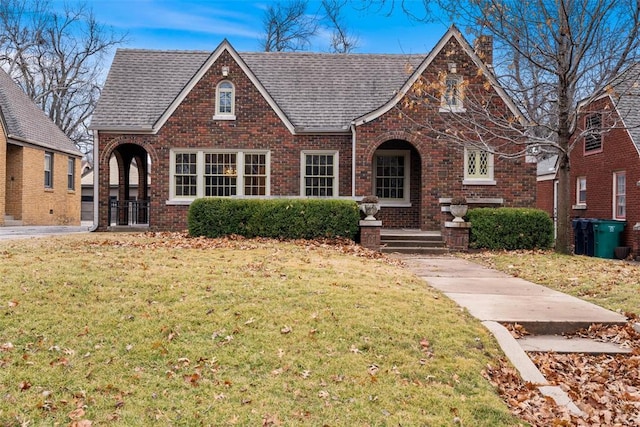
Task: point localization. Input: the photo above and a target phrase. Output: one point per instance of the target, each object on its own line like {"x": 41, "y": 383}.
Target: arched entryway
{"x": 129, "y": 186}
{"x": 397, "y": 181}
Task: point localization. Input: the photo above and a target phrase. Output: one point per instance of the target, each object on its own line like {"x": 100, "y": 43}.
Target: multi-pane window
{"x": 478, "y": 164}
{"x": 185, "y": 176}
{"x": 219, "y": 173}
{"x": 391, "y": 171}
{"x": 48, "y": 169}
{"x": 71, "y": 173}
{"x": 255, "y": 174}
{"x": 225, "y": 102}
{"x": 581, "y": 190}
{"x": 619, "y": 195}
{"x": 593, "y": 135}
{"x": 320, "y": 171}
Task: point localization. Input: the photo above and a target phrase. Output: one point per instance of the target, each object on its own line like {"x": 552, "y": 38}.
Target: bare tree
{"x": 551, "y": 56}
{"x": 288, "y": 27}
{"x": 57, "y": 59}
{"x": 341, "y": 40}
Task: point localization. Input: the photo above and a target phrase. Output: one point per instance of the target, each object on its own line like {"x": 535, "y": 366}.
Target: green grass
{"x": 609, "y": 283}
{"x": 143, "y": 329}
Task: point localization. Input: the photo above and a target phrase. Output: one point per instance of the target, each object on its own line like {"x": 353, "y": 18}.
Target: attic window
{"x": 225, "y": 101}
{"x": 452, "y": 94}
{"x": 593, "y": 136}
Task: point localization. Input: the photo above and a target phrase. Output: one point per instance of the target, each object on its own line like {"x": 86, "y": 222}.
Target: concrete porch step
{"x": 408, "y": 241}
{"x": 561, "y": 344}
{"x": 10, "y": 221}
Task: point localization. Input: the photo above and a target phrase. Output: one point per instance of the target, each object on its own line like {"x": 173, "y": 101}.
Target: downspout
{"x": 96, "y": 192}
{"x": 353, "y": 160}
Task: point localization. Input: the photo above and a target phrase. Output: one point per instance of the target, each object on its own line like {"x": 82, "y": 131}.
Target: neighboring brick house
{"x": 605, "y": 160}
{"x": 289, "y": 124}
{"x": 39, "y": 165}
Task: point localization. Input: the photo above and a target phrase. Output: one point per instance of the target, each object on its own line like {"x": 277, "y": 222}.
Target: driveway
{"x": 28, "y": 231}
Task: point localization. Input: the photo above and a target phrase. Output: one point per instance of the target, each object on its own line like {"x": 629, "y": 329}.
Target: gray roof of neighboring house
{"x": 314, "y": 90}
{"x": 27, "y": 123}
{"x": 547, "y": 165}
{"x": 627, "y": 87}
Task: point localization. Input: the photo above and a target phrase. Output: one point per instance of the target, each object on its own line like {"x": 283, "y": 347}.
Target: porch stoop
{"x": 409, "y": 241}
{"x": 9, "y": 221}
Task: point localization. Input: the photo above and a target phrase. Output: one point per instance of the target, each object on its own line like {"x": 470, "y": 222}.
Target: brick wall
{"x": 618, "y": 154}
{"x": 544, "y": 199}
{"x": 14, "y": 182}
{"x": 38, "y": 205}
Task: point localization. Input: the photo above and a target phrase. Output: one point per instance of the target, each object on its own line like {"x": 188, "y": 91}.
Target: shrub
{"x": 277, "y": 218}
{"x": 510, "y": 228}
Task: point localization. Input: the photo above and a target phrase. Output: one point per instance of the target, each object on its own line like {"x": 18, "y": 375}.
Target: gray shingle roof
{"x": 627, "y": 87}
{"x": 315, "y": 91}
{"x": 28, "y": 123}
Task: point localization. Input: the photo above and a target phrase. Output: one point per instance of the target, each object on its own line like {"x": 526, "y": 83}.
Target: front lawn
{"x": 165, "y": 330}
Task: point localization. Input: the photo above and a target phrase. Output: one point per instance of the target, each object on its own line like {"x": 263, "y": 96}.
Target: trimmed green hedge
{"x": 510, "y": 228}
{"x": 278, "y": 218}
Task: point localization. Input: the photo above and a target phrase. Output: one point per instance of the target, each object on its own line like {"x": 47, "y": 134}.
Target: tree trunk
{"x": 563, "y": 240}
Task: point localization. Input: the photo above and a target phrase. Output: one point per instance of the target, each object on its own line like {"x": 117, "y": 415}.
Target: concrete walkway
{"x": 496, "y": 298}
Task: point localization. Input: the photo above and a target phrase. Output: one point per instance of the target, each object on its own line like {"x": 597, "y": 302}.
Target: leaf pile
{"x": 182, "y": 240}
{"x": 605, "y": 387}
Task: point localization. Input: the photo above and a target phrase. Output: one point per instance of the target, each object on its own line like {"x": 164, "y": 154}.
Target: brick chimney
{"x": 483, "y": 47}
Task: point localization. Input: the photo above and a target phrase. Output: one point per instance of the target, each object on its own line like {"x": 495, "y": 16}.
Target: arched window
{"x": 225, "y": 101}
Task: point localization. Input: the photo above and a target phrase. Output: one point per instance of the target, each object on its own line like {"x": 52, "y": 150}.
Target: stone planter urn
{"x": 458, "y": 208}
{"x": 370, "y": 207}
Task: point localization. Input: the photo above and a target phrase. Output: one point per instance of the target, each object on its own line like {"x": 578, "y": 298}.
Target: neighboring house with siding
{"x": 605, "y": 160}
{"x": 291, "y": 124}
{"x": 39, "y": 165}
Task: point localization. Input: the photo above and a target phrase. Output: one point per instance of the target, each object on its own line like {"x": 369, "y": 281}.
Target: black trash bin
{"x": 584, "y": 240}
{"x": 578, "y": 236}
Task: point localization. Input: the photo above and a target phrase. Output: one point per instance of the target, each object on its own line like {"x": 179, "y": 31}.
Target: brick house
{"x": 271, "y": 124}
{"x": 605, "y": 160}
{"x": 39, "y": 165}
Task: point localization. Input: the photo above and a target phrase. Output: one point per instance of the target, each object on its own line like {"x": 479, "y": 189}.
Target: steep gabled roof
{"x": 627, "y": 91}
{"x": 26, "y": 123}
{"x": 310, "y": 91}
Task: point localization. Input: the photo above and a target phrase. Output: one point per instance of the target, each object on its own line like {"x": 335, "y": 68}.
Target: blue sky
{"x": 203, "y": 24}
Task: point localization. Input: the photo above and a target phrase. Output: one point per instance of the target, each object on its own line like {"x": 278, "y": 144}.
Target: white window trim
{"x": 71, "y": 163}
{"x": 446, "y": 108}
{"x": 406, "y": 201}
{"x": 50, "y": 155}
{"x": 579, "y": 204}
{"x": 478, "y": 181}
{"x": 336, "y": 171}
{"x": 614, "y": 199}
{"x": 225, "y": 116}
{"x": 200, "y": 155}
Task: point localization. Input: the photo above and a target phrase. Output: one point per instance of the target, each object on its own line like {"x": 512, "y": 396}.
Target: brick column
{"x": 456, "y": 236}
{"x": 370, "y": 234}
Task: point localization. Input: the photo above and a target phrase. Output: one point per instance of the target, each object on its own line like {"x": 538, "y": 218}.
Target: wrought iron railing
{"x": 129, "y": 212}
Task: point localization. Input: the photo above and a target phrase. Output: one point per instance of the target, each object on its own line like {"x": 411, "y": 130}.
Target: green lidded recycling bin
{"x": 607, "y": 237}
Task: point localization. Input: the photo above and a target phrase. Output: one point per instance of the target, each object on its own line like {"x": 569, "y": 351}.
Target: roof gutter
{"x": 345, "y": 130}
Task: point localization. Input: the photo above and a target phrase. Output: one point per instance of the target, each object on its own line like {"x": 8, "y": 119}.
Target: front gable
{"x": 220, "y": 60}
{"x": 452, "y": 44}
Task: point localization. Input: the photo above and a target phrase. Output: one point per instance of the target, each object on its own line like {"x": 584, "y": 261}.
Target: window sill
{"x": 579, "y": 207}
{"x": 48, "y": 189}
{"x": 179, "y": 202}
{"x": 452, "y": 110}
{"x": 393, "y": 204}
{"x": 479, "y": 182}
{"x": 224, "y": 117}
